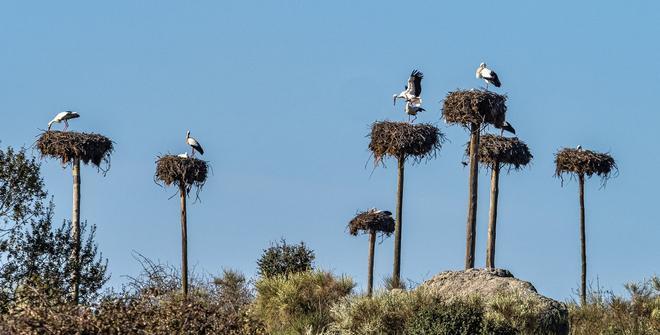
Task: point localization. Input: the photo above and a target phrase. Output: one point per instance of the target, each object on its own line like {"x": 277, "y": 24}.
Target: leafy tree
{"x": 38, "y": 256}
{"x": 35, "y": 255}
{"x": 284, "y": 259}
{"x": 21, "y": 188}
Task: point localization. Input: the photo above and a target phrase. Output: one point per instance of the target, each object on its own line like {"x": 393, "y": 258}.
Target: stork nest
{"x": 466, "y": 107}
{"x": 402, "y": 140}
{"x": 368, "y": 221}
{"x": 67, "y": 146}
{"x": 187, "y": 172}
{"x": 584, "y": 162}
{"x": 505, "y": 151}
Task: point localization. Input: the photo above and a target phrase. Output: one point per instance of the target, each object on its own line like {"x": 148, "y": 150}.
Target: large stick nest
{"x": 509, "y": 152}
{"x": 371, "y": 220}
{"x": 181, "y": 171}
{"x": 584, "y": 162}
{"x": 465, "y": 107}
{"x": 402, "y": 140}
{"x": 68, "y": 146}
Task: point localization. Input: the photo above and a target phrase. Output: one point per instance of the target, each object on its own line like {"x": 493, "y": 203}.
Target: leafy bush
{"x": 607, "y": 313}
{"x": 384, "y": 313}
{"x": 150, "y": 304}
{"x": 300, "y": 302}
{"x": 414, "y": 312}
{"x": 284, "y": 259}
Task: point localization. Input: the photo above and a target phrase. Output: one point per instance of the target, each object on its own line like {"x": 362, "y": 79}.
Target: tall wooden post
{"x": 583, "y": 242}
{"x": 492, "y": 220}
{"x": 372, "y": 247}
{"x": 396, "y": 275}
{"x": 75, "y": 232}
{"x": 471, "y": 226}
{"x": 184, "y": 240}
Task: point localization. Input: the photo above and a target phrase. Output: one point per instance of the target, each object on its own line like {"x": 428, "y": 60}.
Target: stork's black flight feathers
{"x": 416, "y": 77}
{"x": 494, "y": 79}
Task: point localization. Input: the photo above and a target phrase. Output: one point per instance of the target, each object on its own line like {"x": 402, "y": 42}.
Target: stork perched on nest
{"x": 488, "y": 75}
{"x": 63, "y": 117}
{"x": 194, "y": 145}
{"x": 413, "y": 109}
{"x": 578, "y": 148}
{"x": 378, "y": 211}
{"x": 412, "y": 90}
{"x": 505, "y": 126}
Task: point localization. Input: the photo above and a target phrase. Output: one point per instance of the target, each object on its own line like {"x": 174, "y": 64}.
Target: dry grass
{"x": 402, "y": 140}
{"x": 465, "y": 107}
{"x": 368, "y": 221}
{"x": 68, "y": 146}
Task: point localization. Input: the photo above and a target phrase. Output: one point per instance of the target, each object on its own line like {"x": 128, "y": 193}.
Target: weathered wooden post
{"x": 473, "y": 109}
{"x": 186, "y": 173}
{"x": 403, "y": 140}
{"x": 495, "y": 153}
{"x": 583, "y": 163}
{"x": 372, "y": 222}
{"x": 72, "y": 148}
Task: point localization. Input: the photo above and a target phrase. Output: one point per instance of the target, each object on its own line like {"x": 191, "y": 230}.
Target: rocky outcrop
{"x": 504, "y": 296}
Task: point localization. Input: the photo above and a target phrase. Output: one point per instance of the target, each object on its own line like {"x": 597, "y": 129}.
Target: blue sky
{"x": 282, "y": 94}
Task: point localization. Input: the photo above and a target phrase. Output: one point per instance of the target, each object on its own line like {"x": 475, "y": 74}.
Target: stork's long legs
{"x": 66, "y": 125}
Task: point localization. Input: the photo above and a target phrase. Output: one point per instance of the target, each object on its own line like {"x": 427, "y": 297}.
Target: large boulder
{"x": 504, "y": 296}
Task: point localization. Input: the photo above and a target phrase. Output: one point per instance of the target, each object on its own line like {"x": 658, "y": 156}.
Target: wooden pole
{"x": 583, "y": 242}
{"x": 492, "y": 220}
{"x": 396, "y": 275}
{"x": 471, "y": 225}
{"x": 75, "y": 232}
{"x": 372, "y": 247}
{"x": 184, "y": 240}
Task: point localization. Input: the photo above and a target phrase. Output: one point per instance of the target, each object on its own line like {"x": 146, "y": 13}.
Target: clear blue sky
{"x": 281, "y": 96}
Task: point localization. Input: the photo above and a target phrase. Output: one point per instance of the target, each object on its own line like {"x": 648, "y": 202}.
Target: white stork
{"x": 578, "y": 148}
{"x": 378, "y": 211}
{"x": 488, "y": 75}
{"x": 194, "y": 145}
{"x": 183, "y": 155}
{"x": 63, "y": 117}
{"x": 412, "y": 90}
{"x": 413, "y": 109}
{"x": 505, "y": 126}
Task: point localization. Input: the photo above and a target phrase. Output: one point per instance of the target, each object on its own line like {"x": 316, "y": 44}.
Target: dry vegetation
{"x": 188, "y": 172}
{"x": 584, "y": 162}
{"x": 368, "y": 221}
{"x": 68, "y": 146}
{"x": 465, "y": 107}
{"x": 402, "y": 140}
{"x": 509, "y": 152}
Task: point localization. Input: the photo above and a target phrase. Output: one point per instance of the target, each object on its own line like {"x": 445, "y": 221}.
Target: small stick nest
{"x": 465, "y": 107}
{"x": 402, "y": 140}
{"x": 180, "y": 171}
{"x": 584, "y": 162}
{"x": 370, "y": 220}
{"x": 506, "y": 151}
{"x": 68, "y": 146}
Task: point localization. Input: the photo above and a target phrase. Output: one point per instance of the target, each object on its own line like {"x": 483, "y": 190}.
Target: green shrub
{"x": 283, "y": 259}
{"x": 384, "y": 313}
{"x": 606, "y": 313}
{"x": 300, "y": 302}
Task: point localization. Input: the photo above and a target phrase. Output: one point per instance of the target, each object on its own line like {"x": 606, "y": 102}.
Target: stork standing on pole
{"x": 63, "y": 117}
{"x": 488, "y": 75}
{"x": 194, "y": 145}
